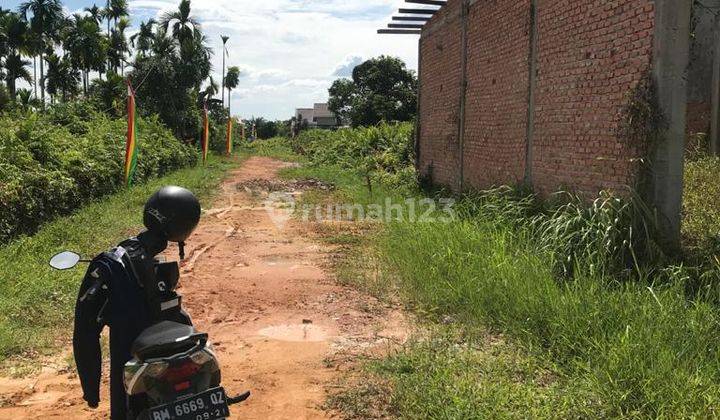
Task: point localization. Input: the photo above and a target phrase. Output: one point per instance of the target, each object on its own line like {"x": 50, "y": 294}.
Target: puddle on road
{"x": 295, "y": 333}
{"x": 281, "y": 261}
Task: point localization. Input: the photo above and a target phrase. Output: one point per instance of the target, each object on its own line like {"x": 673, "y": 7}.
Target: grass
{"x": 587, "y": 340}
{"x": 36, "y": 303}
{"x": 450, "y": 376}
{"x": 277, "y": 148}
{"x": 639, "y": 350}
{"x": 701, "y": 209}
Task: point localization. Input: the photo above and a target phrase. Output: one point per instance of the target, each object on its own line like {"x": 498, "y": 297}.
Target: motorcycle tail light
{"x": 181, "y": 372}
{"x": 155, "y": 370}
{"x": 136, "y": 372}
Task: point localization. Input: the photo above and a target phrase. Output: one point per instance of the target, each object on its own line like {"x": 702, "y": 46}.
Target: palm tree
{"x": 23, "y": 98}
{"x": 46, "y": 18}
{"x": 96, "y": 13}
{"x": 86, "y": 46}
{"x": 62, "y": 77}
{"x": 107, "y": 15}
{"x": 32, "y": 48}
{"x": 118, "y": 45}
{"x": 224, "y": 53}
{"x": 142, "y": 40}
{"x": 210, "y": 91}
{"x": 14, "y": 33}
{"x": 117, "y": 10}
{"x": 15, "y": 68}
{"x": 182, "y": 27}
{"x": 110, "y": 93}
{"x": 162, "y": 46}
{"x": 232, "y": 80}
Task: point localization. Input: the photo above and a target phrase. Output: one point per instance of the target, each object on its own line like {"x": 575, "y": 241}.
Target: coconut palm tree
{"x": 45, "y": 17}
{"x": 96, "y": 13}
{"x": 14, "y": 33}
{"x": 16, "y": 68}
{"x": 162, "y": 45}
{"x": 224, "y": 53}
{"x": 179, "y": 23}
{"x": 142, "y": 40}
{"x": 118, "y": 45}
{"x": 232, "y": 80}
{"x": 210, "y": 91}
{"x": 117, "y": 10}
{"x": 62, "y": 77}
{"x": 86, "y": 46}
{"x": 32, "y": 48}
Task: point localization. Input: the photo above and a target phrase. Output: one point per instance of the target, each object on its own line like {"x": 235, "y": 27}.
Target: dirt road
{"x": 280, "y": 323}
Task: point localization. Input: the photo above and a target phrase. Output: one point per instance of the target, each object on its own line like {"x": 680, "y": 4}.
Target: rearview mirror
{"x": 64, "y": 260}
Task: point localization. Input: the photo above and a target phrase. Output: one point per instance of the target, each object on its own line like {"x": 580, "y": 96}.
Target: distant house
{"x": 318, "y": 116}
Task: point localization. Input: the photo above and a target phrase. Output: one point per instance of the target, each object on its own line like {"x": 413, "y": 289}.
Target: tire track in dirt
{"x": 278, "y": 320}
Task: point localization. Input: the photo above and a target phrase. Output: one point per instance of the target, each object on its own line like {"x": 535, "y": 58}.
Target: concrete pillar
{"x": 671, "y": 54}
{"x": 463, "y": 91}
{"x": 418, "y": 121}
{"x": 715, "y": 93}
{"x": 532, "y": 84}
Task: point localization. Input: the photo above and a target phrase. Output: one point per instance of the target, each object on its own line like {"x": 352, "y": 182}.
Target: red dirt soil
{"x": 281, "y": 325}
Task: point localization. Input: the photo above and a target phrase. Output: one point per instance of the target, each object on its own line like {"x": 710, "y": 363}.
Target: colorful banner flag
{"x": 206, "y": 133}
{"x": 131, "y": 144}
{"x": 228, "y": 140}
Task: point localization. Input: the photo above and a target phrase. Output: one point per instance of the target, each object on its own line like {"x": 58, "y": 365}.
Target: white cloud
{"x": 345, "y": 69}
{"x": 290, "y": 51}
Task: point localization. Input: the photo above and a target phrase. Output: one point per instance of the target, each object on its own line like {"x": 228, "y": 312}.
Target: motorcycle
{"x": 174, "y": 373}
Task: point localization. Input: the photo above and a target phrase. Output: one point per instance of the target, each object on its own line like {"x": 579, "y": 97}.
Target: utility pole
{"x": 224, "y": 53}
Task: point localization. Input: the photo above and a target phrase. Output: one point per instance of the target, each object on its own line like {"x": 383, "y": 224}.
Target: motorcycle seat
{"x": 165, "y": 339}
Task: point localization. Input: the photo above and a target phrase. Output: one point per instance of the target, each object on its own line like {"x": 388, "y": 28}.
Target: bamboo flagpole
{"x": 206, "y": 133}
{"x": 228, "y": 139}
{"x": 131, "y": 144}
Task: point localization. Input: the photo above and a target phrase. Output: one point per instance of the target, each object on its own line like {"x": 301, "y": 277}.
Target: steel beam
{"x": 412, "y": 18}
{"x": 404, "y": 26}
{"x": 428, "y": 2}
{"x": 398, "y": 32}
{"x": 418, "y": 11}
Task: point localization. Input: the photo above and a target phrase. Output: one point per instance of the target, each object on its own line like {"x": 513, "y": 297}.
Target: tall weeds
{"x": 611, "y": 235}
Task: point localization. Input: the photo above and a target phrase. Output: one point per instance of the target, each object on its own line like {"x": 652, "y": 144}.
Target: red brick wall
{"x": 497, "y": 92}
{"x": 591, "y": 54}
{"x": 440, "y": 71}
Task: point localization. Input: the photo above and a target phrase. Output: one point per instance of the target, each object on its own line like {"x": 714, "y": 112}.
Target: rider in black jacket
{"x": 128, "y": 290}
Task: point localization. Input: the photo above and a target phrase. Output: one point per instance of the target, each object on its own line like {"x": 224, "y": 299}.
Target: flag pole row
{"x": 131, "y": 152}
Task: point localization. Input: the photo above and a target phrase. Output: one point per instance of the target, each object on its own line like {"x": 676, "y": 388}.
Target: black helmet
{"x": 174, "y": 212}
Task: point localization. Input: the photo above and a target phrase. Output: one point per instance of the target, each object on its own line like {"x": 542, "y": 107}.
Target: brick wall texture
{"x": 591, "y": 54}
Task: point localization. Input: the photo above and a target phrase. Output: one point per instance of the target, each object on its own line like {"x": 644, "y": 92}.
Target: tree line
{"x": 90, "y": 55}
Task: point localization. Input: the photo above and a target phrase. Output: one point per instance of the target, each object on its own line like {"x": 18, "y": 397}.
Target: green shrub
{"x": 612, "y": 235}
{"x": 52, "y": 164}
{"x": 384, "y": 153}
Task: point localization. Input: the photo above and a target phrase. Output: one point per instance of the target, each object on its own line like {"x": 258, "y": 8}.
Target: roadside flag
{"x": 228, "y": 140}
{"x": 206, "y": 133}
{"x": 131, "y": 144}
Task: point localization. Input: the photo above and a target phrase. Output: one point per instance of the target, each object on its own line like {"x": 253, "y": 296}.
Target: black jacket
{"x": 136, "y": 293}
{"x": 119, "y": 304}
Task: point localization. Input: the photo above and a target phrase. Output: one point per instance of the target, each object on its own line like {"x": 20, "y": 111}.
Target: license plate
{"x": 209, "y": 405}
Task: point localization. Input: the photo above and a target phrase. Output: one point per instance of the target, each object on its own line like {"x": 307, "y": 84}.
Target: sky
{"x": 289, "y": 51}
